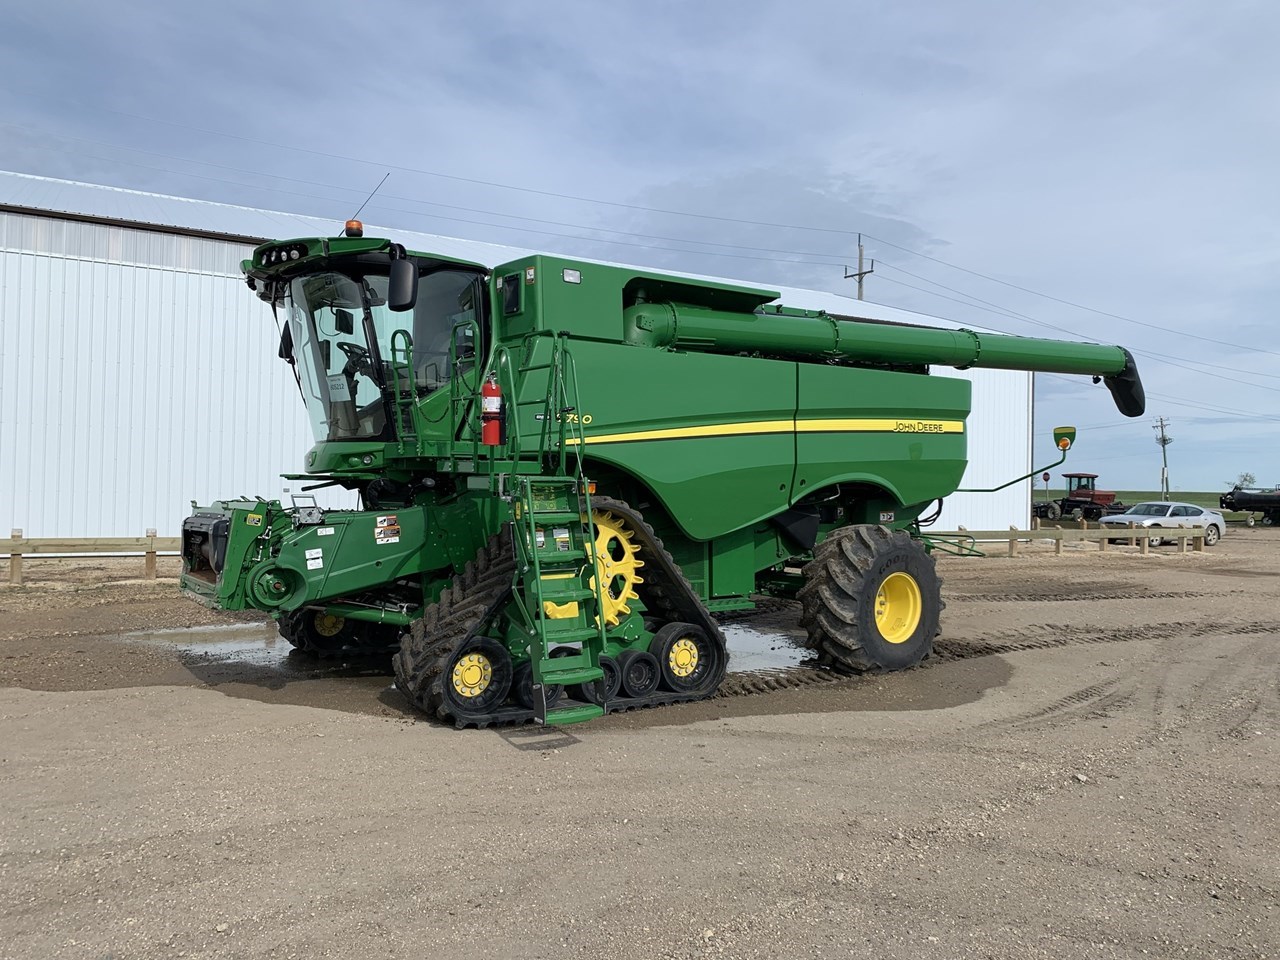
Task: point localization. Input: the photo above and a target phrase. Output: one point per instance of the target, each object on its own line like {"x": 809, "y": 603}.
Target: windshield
{"x": 1150, "y": 510}
{"x": 351, "y": 350}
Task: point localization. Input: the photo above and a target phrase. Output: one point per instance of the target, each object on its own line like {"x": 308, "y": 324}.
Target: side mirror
{"x": 402, "y": 285}
{"x": 344, "y": 321}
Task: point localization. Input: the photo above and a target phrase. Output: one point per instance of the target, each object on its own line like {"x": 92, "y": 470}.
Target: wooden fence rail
{"x": 17, "y": 546}
{"x": 1132, "y": 535}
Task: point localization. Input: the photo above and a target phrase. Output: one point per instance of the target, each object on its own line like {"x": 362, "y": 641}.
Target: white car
{"x": 1166, "y": 513}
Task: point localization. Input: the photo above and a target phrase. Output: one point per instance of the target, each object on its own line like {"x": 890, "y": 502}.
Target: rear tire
{"x": 1212, "y": 535}
{"x": 871, "y": 601}
{"x": 1053, "y": 511}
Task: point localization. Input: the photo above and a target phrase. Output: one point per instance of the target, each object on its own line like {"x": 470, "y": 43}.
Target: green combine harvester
{"x": 566, "y": 469}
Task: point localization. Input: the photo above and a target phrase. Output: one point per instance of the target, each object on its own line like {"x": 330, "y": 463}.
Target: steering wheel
{"x": 357, "y": 357}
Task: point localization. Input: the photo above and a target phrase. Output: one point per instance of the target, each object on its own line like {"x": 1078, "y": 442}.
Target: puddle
{"x": 259, "y": 645}
{"x": 752, "y": 649}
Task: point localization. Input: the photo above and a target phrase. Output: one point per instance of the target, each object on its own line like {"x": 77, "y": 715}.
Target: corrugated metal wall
{"x": 137, "y": 374}
{"x": 999, "y": 450}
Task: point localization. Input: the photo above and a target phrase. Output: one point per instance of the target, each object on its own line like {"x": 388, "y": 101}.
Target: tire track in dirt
{"x": 1046, "y": 636}
{"x": 1075, "y": 596}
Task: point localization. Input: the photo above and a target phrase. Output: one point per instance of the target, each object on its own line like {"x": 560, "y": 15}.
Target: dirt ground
{"x": 1087, "y": 767}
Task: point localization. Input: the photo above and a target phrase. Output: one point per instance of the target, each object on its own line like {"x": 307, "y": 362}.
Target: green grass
{"x": 1209, "y": 500}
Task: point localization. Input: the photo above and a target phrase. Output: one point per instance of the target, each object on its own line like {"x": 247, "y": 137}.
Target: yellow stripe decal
{"x": 783, "y": 426}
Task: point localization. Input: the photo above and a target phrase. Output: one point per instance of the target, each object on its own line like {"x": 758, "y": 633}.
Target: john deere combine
{"x": 565, "y": 469}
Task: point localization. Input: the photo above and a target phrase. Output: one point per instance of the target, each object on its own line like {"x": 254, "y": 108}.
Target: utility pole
{"x": 861, "y": 272}
{"x": 1164, "y": 442}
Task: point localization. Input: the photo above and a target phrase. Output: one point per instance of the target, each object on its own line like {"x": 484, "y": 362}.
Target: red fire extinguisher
{"x": 491, "y": 412}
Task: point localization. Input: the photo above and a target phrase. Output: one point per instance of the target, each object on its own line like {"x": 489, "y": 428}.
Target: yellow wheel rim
{"x": 898, "y": 607}
{"x": 471, "y": 674}
{"x": 683, "y": 657}
{"x": 616, "y": 566}
{"x": 328, "y": 625}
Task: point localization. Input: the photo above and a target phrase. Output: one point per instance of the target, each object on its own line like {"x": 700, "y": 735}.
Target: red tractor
{"x": 1082, "y": 502}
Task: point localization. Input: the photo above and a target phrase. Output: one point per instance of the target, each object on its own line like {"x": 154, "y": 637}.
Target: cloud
{"x": 1117, "y": 156}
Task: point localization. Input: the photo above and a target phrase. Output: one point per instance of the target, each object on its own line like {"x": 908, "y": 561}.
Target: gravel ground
{"x": 1086, "y": 768}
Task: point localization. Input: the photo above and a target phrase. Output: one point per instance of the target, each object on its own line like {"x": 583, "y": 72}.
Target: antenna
{"x": 356, "y": 215}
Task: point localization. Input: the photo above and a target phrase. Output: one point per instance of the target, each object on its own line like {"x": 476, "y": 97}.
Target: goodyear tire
{"x": 690, "y": 661}
{"x": 871, "y": 600}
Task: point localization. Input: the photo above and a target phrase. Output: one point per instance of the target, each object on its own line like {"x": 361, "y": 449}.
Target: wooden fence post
{"x": 1057, "y": 543}
{"x": 1198, "y": 544}
{"x": 15, "y": 558}
{"x": 1133, "y": 541}
{"x": 1144, "y": 546}
{"x": 1013, "y": 541}
{"x": 150, "y": 563}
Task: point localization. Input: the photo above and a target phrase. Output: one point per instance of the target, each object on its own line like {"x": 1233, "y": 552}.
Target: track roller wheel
{"x": 689, "y": 660}
{"x": 522, "y": 688}
{"x": 640, "y": 672}
{"x": 586, "y": 692}
{"x": 477, "y": 679}
{"x": 871, "y": 600}
{"x": 320, "y": 634}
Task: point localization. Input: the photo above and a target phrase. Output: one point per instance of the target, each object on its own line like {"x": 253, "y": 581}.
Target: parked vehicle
{"x": 1084, "y": 501}
{"x": 1158, "y": 514}
{"x": 1253, "y": 501}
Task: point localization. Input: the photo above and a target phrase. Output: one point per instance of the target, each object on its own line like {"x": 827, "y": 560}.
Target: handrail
{"x": 403, "y": 405}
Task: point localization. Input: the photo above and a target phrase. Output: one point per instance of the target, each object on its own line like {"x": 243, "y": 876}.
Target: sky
{"x": 1092, "y": 171}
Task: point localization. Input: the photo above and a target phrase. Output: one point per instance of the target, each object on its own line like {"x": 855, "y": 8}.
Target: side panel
{"x": 711, "y": 435}
{"x": 902, "y": 431}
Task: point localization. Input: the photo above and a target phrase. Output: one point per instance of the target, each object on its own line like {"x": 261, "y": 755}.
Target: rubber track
{"x": 289, "y": 628}
{"x": 474, "y": 597}
{"x": 463, "y": 608}
{"x": 665, "y": 591}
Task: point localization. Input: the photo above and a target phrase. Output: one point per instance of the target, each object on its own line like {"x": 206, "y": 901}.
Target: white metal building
{"x": 138, "y": 373}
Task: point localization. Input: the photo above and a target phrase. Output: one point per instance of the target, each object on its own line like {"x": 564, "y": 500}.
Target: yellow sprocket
{"x": 616, "y": 565}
